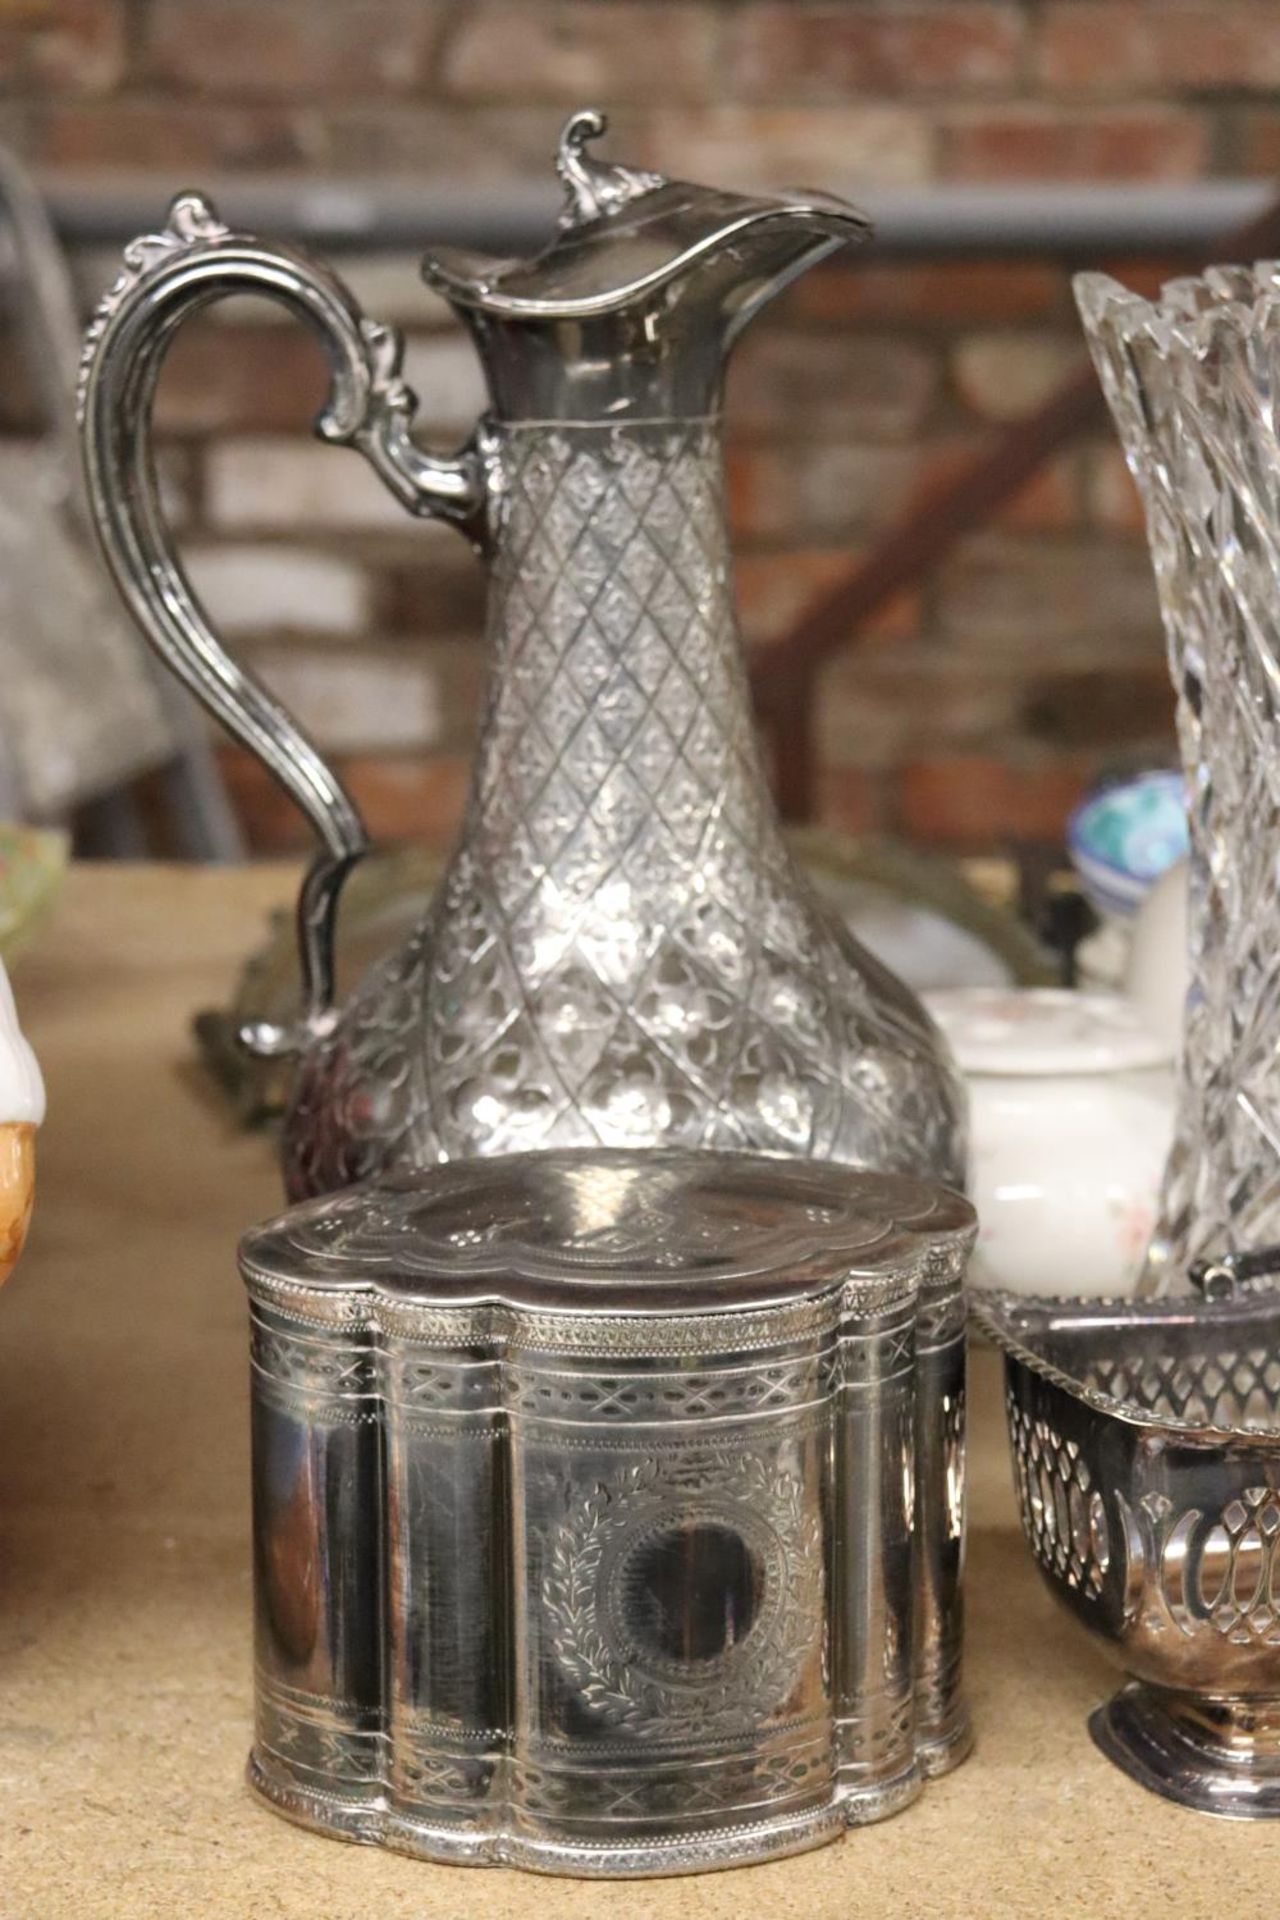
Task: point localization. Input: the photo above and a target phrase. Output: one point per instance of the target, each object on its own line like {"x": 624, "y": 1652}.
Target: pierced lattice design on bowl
{"x": 1229, "y": 1386}
{"x": 1062, "y": 1512}
{"x": 1146, "y": 1446}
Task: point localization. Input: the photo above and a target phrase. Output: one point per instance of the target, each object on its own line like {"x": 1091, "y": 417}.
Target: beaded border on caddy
{"x": 570, "y": 1332}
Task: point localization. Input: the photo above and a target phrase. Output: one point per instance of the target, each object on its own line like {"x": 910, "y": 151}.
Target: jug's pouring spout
{"x": 776, "y": 249}
{"x": 633, "y": 306}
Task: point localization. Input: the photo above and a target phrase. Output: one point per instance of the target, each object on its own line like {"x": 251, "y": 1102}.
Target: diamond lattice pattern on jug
{"x": 623, "y": 950}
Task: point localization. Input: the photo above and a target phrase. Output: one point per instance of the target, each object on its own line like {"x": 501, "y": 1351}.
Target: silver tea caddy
{"x": 608, "y": 1507}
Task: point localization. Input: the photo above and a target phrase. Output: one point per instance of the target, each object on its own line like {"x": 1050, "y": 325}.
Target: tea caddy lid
{"x": 660, "y": 1232}
{"x": 625, "y": 232}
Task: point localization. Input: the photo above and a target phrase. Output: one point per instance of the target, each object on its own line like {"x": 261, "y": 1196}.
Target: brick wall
{"x": 983, "y": 702}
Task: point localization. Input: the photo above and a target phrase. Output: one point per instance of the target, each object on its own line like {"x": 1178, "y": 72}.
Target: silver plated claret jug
{"x": 622, "y": 951}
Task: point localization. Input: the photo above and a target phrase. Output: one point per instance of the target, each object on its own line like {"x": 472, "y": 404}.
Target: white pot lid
{"x": 1046, "y": 1030}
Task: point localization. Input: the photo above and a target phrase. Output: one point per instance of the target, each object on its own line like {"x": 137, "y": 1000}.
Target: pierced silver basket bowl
{"x": 1146, "y": 1453}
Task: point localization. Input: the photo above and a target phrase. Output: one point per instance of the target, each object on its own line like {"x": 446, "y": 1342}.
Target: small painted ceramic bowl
{"x": 1071, "y": 1117}
{"x": 1122, "y": 839}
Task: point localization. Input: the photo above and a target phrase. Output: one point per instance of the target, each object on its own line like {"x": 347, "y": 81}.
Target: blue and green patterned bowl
{"x": 1122, "y": 839}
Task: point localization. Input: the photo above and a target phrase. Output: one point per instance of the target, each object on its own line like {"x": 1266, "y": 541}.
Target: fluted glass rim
{"x": 1191, "y": 311}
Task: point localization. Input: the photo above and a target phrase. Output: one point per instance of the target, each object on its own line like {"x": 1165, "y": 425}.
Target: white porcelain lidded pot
{"x": 1071, "y": 1119}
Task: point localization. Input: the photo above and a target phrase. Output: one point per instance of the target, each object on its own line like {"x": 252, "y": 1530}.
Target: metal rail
{"x": 102, "y": 209}
{"x": 1197, "y": 221}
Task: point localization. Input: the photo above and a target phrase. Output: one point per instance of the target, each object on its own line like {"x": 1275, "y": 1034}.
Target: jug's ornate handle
{"x": 166, "y": 276}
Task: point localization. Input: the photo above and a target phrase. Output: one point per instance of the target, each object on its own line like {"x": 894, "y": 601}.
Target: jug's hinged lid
{"x": 624, "y": 233}
{"x": 654, "y": 1232}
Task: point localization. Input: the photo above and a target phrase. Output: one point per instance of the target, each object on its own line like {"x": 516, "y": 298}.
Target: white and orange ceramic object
{"x": 1071, "y": 1115}
{"x": 21, "y": 1111}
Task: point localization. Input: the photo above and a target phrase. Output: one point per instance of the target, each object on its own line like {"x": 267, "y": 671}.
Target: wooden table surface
{"x": 125, "y": 1689}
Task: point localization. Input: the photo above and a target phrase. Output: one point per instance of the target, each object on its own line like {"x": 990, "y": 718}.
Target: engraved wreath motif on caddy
{"x": 766, "y": 1505}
